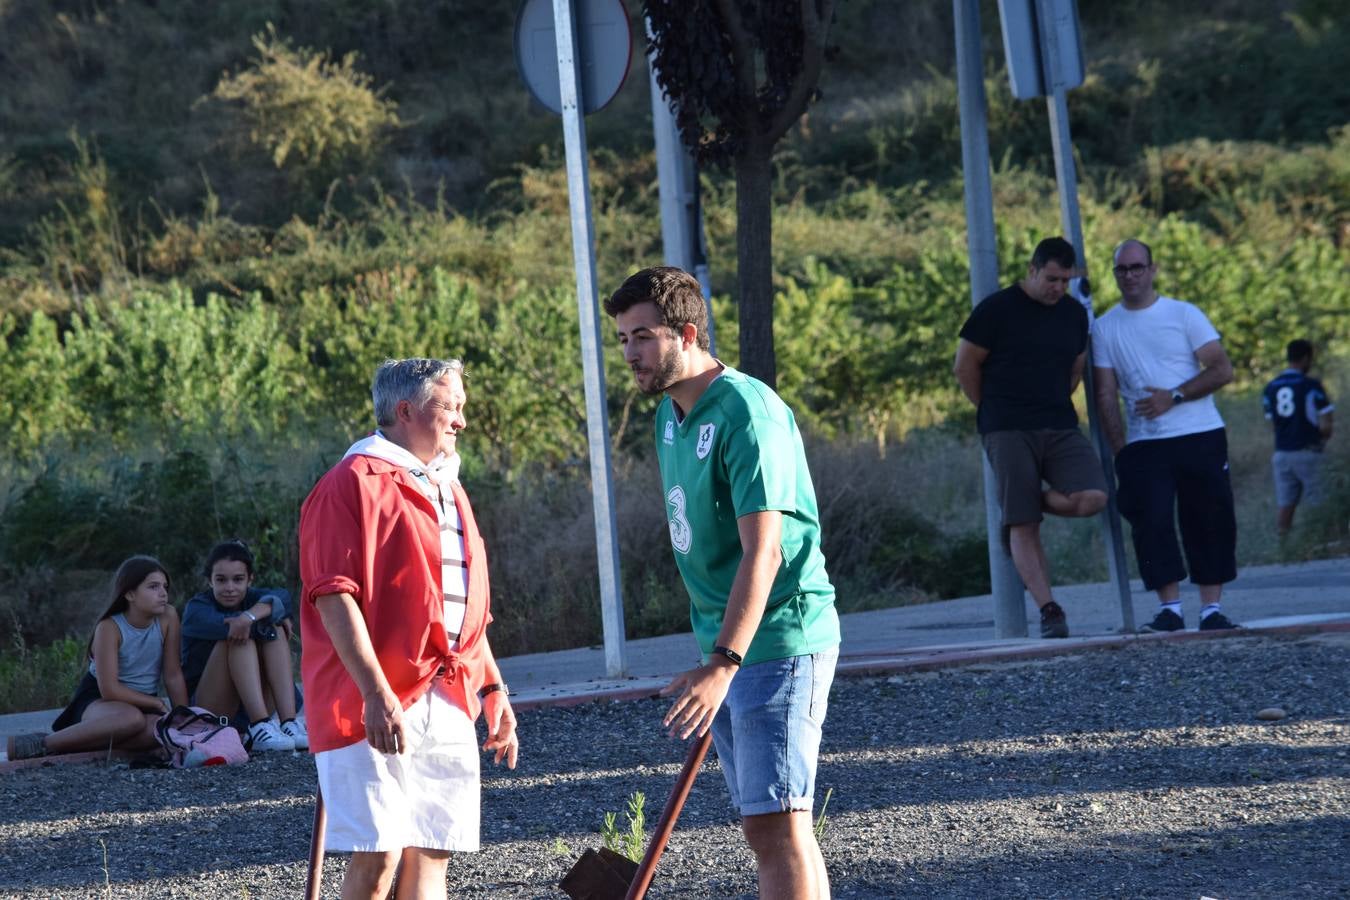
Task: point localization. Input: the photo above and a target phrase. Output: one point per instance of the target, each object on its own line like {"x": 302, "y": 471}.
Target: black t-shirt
{"x": 1031, "y": 348}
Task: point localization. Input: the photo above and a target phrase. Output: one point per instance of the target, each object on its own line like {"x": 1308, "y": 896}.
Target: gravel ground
{"x": 1138, "y": 772}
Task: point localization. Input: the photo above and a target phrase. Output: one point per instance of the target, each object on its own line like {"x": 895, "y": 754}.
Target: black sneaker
{"x": 1053, "y": 623}
{"x": 1165, "y": 620}
{"x": 1217, "y": 621}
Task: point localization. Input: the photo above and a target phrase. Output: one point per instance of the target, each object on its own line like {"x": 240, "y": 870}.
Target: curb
{"x": 921, "y": 661}
{"x": 63, "y": 759}
{"x": 854, "y": 666}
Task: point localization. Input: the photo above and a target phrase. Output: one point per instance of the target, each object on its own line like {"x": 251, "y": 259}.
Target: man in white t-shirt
{"x": 1164, "y": 359}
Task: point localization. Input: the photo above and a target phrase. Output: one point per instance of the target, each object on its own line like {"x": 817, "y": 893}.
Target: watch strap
{"x": 729, "y": 654}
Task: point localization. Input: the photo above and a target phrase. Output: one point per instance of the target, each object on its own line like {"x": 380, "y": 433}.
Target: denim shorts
{"x": 767, "y": 732}
{"x": 1297, "y": 477}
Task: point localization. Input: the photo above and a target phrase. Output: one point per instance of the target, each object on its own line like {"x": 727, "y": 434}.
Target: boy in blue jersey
{"x": 1301, "y": 412}
{"x": 746, "y": 534}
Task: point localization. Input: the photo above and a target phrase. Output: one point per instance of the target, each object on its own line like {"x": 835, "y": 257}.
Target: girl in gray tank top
{"x": 134, "y": 648}
{"x": 139, "y": 655}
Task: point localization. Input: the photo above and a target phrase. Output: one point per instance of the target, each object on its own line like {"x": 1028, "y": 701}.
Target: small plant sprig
{"x": 627, "y": 843}
{"x": 107, "y": 875}
{"x": 819, "y": 828}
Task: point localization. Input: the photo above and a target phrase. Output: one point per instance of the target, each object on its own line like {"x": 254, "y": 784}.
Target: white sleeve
{"x": 1101, "y": 346}
{"x": 1199, "y": 330}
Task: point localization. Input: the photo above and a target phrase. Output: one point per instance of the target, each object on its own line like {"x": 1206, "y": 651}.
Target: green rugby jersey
{"x": 738, "y": 451}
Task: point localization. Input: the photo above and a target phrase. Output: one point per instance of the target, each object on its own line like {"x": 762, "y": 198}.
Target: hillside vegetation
{"x": 215, "y": 220}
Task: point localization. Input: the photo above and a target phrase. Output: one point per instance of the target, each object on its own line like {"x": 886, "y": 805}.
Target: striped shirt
{"x": 454, "y": 568}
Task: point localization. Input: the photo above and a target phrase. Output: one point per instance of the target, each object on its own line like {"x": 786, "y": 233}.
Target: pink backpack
{"x": 193, "y": 737}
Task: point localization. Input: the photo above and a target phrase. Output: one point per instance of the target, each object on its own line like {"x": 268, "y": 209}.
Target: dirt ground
{"x": 1135, "y": 772}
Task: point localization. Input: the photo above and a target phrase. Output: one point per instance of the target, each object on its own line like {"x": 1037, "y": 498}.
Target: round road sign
{"x": 605, "y": 48}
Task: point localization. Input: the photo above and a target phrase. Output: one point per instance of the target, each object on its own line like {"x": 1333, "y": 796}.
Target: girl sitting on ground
{"x": 236, "y": 650}
{"x": 134, "y": 647}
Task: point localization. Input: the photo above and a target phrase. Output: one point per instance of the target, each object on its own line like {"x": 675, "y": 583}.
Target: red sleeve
{"x": 331, "y": 538}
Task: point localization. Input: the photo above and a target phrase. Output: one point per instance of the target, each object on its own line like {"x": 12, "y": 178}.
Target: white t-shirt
{"x": 1155, "y": 347}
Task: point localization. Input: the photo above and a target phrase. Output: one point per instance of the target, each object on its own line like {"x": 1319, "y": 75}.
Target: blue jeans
{"x": 767, "y": 732}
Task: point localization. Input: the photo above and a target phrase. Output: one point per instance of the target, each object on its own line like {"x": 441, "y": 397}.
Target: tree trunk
{"x": 754, "y": 256}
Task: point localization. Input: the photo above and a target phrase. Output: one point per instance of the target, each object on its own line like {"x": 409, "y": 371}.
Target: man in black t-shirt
{"x": 1019, "y": 360}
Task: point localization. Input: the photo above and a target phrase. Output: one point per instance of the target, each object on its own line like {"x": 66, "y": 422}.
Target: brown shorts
{"x": 1021, "y": 460}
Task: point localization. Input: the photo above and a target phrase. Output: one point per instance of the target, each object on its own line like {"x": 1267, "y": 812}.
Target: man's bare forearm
{"x": 760, "y": 560}
{"x": 1112, "y": 427}
{"x": 971, "y": 385}
{"x": 1216, "y": 370}
{"x": 347, "y": 630}
{"x": 1108, "y": 409}
{"x": 1206, "y": 382}
{"x": 969, "y": 370}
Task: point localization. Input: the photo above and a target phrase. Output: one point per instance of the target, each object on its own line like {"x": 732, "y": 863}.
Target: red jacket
{"x": 367, "y": 530}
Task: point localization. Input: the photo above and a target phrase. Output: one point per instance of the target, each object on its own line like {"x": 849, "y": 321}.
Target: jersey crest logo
{"x": 669, "y": 436}
{"x": 705, "y": 438}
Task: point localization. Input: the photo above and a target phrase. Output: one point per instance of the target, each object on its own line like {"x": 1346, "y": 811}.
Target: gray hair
{"x": 407, "y": 379}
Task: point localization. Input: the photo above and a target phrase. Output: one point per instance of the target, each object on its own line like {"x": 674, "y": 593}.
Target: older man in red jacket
{"x": 396, "y": 660}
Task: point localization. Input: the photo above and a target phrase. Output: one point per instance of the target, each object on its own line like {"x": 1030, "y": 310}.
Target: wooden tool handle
{"x": 316, "y": 840}
{"x": 643, "y": 879}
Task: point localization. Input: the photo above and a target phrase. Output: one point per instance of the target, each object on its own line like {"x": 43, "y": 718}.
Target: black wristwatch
{"x": 1177, "y": 396}
{"x": 729, "y": 654}
{"x": 492, "y": 689}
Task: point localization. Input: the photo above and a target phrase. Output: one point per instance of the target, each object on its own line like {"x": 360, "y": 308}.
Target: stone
{"x": 1271, "y": 714}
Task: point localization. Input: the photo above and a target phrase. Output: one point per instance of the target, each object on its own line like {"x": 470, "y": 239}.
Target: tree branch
{"x": 743, "y": 55}
{"x": 815, "y": 32}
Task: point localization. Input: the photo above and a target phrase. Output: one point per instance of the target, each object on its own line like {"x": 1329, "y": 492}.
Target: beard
{"x": 669, "y": 369}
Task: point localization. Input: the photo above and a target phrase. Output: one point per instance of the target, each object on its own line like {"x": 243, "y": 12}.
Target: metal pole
{"x": 677, "y": 183}
{"x": 672, "y": 167}
{"x": 1066, "y": 177}
{"x": 1010, "y": 616}
{"x": 701, "y": 271}
{"x": 593, "y": 365}
{"x": 318, "y": 835}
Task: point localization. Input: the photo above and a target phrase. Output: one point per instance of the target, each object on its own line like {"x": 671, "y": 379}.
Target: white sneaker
{"x": 264, "y": 737}
{"x": 295, "y": 730}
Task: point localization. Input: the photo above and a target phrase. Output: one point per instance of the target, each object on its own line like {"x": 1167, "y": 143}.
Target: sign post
{"x": 1045, "y": 58}
{"x": 1010, "y": 615}
{"x": 1054, "y": 50}
{"x": 532, "y": 27}
{"x": 682, "y": 241}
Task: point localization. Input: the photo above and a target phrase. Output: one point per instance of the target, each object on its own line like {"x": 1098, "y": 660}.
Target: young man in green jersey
{"x": 746, "y": 536}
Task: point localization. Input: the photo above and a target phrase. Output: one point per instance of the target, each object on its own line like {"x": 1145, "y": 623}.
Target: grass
{"x": 818, "y": 829}
{"x": 40, "y": 677}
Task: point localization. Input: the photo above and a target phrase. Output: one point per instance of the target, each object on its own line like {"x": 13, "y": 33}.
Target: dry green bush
{"x": 307, "y": 108}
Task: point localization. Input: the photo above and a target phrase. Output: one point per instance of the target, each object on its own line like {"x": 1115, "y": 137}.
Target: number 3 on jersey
{"x": 681, "y": 535}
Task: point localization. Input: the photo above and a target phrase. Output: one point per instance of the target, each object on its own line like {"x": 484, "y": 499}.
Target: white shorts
{"x": 427, "y": 797}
